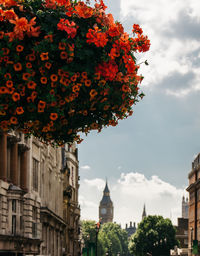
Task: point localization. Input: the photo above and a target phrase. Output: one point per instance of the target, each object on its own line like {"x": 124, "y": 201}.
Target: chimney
{"x": 134, "y": 224}
{"x": 126, "y": 225}
{"x": 130, "y": 224}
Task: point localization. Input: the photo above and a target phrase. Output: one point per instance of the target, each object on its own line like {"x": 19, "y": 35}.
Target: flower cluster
{"x": 65, "y": 67}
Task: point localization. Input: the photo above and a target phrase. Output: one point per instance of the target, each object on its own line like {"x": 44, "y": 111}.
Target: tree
{"x": 113, "y": 239}
{"x": 155, "y": 236}
{"x": 88, "y": 232}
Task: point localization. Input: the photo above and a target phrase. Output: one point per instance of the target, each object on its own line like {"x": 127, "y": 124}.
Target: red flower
{"x": 70, "y": 28}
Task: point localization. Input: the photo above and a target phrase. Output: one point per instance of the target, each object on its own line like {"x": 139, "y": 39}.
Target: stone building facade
{"x": 32, "y": 208}
{"x": 71, "y": 206}
{"x": 131, "y": 229}
{"x": 194, "y": 203}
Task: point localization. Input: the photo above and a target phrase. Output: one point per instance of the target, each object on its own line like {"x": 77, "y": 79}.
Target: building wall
{"x": 194, "y": 203}
{"x": 20, "y": 226}
{"x": 71, "y": 205}
{"x": 37, "y": 215}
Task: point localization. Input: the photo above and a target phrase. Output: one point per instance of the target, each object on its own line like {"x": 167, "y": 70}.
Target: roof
{"x": 106, "y": 189}
{"x": 106, "y": 195}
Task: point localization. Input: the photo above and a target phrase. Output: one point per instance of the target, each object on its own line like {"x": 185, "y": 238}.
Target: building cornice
{"x": 193, "y": 185}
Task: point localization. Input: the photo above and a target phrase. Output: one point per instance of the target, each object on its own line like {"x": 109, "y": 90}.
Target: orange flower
{"x": 5, "y": 51}
{"x": 48, "y": 65}
{"x": 49, "y": 37}
{"x": 11, "y": 90}
{"x": 62, "y": 46}
{"x": 73, "y": 78}
{"x": 53, "y": 116}
{"x": 25, "y": 76}
{"x": 93, "y": 93}
{"x": 106, "y": 107}
{"x": 84, "y": 74}
{"x": 126, "y": 88}
{"x": 13, "y": 120}
{"x": 7, "y": 76}
{"x": 63, "y": 55}
{"x": 1, "y": 34}
{"x": 9, "y": 15}
{"x": 60, "y": 72}
{"x": 19, "y": 110}
{"x": 19, "y": 48}
{"x": 52, "y": 92}
{"x": 17, "y": 66}
{"x": 102, "y": 82}
{"x": 9, "y": 83}
{"x": 75, "y": 88}
{"x": 83, "y": 10}
{"x": 31, "y": 57}
{"x": 31, "y": 85}
{"x": 53, "y": 103}
{"x": 41, "y": 104}
{"x": 43, "y": 80}
{"x": 88, "y": 83}
{"x": 28, "y": 65}
{"x": 40, "y": 110}
{"x": 44, "y": 56}
{"x": 29, "y": 99}
{"x": 97, "y": 76}
{"x": 2, "y": 112}
{"x": 54, "y": 78}
{"x": 61, "y": 102}
{"x": 16, "y": 96}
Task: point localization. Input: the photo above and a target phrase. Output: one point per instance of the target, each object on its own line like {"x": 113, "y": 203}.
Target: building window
{"x": 35, "y": 174}
{"x": 21, "y": 223}
{"x": 14, "y": 205}
{"x": 34, "y": 223}
{"x": 13, "y": 224}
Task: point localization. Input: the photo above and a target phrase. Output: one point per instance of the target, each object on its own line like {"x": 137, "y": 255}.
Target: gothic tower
{"x": 106, "y": 207}
{"x": 144, "y": 212}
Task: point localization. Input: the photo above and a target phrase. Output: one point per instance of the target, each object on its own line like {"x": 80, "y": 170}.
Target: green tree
{"x": 113, "y": 240}
{"x": 88, "y": 228}
{"x": 155, "y": 236}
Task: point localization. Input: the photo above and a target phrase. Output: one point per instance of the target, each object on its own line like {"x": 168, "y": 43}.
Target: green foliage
{"x": 112, "y": 238}
{"x": 88, "y": 231}
{"x": 155, "y": 235}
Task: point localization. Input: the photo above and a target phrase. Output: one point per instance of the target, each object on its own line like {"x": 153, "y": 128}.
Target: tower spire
{"x": 144, "y": 212}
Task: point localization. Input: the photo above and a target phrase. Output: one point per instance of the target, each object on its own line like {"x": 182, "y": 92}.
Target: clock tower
{"x": 106, "y": 207}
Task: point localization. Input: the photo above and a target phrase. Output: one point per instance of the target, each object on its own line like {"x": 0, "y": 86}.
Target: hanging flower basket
{"x": 65, "y": 68}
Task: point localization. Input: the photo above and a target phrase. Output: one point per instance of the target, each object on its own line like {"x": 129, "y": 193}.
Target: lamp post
{"x": 97, "y": 232}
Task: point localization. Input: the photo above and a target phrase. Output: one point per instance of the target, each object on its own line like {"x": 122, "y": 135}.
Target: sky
{"x": 147, "y": 157}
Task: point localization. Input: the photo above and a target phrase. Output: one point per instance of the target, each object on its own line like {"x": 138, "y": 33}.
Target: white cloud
{"x": 161, "y": 21}
{"x": 85, "y": 167}
{"x": 97, "y": 183}
{"x": 129, "y": 193}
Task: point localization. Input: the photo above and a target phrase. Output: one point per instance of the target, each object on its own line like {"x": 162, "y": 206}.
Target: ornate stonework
{"x": 34, "y": 216}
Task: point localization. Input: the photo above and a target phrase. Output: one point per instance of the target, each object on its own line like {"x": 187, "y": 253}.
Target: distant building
{"x": 182, "y": 231}
{"x": 130, "y": 229}
{"x": 185, "y": 207}
{"x": 194, "y": 203}
{"x": 106, "y": 209}
{"x": 144, "y": 214}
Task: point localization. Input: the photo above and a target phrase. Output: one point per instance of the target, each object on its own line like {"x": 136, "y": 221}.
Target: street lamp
{"x": 98, "y": 225}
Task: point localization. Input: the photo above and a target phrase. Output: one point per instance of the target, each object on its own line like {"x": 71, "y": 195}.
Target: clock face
{"x": 103, "y": 210}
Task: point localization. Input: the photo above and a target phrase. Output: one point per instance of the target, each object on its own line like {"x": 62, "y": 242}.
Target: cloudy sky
{"x": 147, "y": 157}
